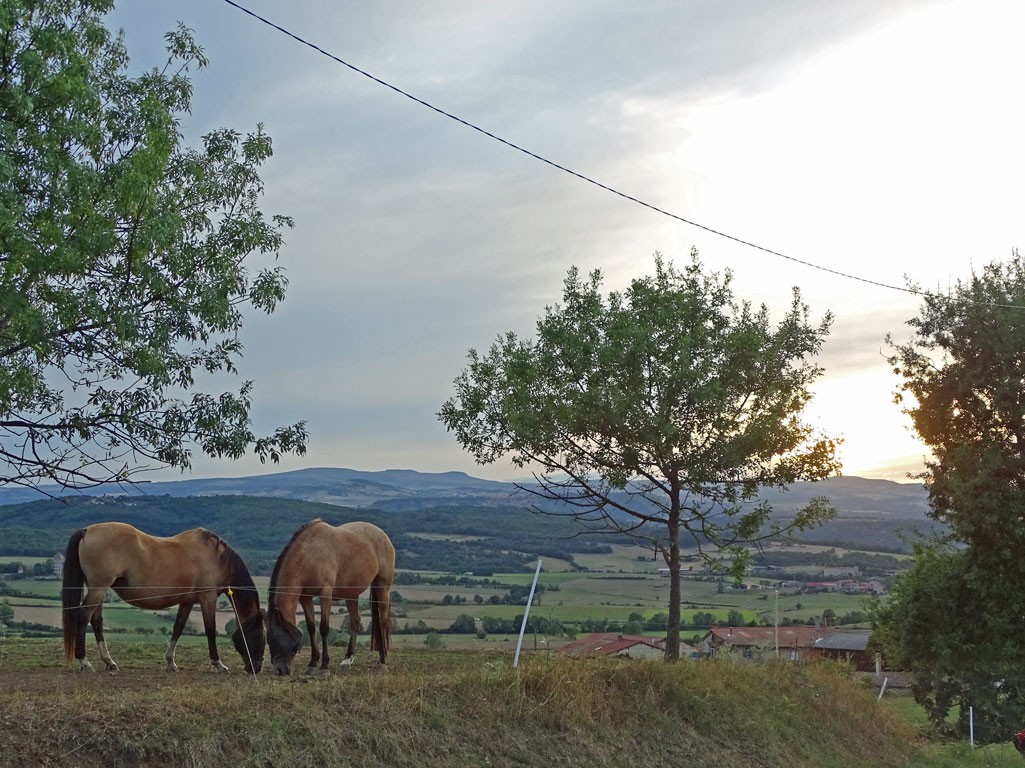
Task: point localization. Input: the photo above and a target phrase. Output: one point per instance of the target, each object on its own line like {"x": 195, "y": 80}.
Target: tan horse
{"x": 332, "y": 563}
{"x": 155, "y": 573}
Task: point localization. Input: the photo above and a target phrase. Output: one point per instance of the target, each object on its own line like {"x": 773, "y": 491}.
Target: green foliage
{"x": 433, "y": 641}
{"x": 498, "y": 540}
{"x": 953, "y": 619}
{"x": 123, "y": 274}
{"x": 659, "y": 411}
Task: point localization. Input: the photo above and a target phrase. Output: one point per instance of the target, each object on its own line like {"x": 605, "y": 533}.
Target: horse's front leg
{"x": 81, "y": 616}
{"x": 208, "y": 606}
{"x": 313, "y": 668}
{"x": 355, "y": 624}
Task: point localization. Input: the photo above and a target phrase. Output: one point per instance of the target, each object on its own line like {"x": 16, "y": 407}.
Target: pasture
{"x": 449, "y": 708}
{"x": 569, "y": 597}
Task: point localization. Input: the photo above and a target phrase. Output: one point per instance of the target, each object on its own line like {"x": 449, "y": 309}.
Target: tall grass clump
{"x": 447, "y": 709}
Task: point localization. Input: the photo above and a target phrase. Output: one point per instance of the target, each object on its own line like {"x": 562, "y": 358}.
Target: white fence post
{"x": 523, "y": 626}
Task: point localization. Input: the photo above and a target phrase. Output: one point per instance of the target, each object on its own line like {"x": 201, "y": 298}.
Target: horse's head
{"x": 249, "y": 640}
{"x": 284, "y": 639}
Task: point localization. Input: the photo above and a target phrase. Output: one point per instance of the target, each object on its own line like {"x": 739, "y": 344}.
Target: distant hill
{"x": 257, "y": 514}
{"x": 407, "y": 489}
{"x": 392, "y": 488}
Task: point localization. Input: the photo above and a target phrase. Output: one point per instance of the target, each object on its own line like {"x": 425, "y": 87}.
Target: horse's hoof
{"x": 218, "y": 668}
{"x": 85, "y": 666}
{"x": 172, "y": 667}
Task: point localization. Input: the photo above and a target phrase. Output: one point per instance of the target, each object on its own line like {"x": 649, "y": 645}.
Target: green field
{"x": 570, "y": 597}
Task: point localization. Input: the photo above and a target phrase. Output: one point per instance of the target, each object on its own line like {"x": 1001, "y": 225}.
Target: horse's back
{"x": 107, "y": 549}
{"x": 377, "y": 542}
{"x": 353, "y": 554}
{"x": 119, "y": 552}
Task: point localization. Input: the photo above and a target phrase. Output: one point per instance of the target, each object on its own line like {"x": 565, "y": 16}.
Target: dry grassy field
{"x": 442, "y": 708}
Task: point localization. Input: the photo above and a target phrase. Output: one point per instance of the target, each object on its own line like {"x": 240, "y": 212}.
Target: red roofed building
{"x": 794, "y": 643}
{"x": 614, "y": 644}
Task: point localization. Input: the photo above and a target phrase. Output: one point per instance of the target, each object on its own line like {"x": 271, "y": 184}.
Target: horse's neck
{"x": 285, "y": 598}
{"x": 246, "y": 602}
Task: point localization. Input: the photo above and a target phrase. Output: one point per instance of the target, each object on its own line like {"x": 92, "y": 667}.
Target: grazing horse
{"x": 332, "y": 563}
{"x": 155, "y": 573}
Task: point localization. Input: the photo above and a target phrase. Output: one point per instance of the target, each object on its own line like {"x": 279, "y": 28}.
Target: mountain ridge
{"x": 858, "y": 497}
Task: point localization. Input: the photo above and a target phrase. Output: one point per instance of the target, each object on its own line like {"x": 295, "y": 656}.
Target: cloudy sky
{"x": 879, "y": 140}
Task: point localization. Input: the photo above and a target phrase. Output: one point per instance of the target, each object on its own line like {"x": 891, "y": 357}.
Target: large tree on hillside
{"x": 659, "y": 411}
{"x": 964, "y": 388}
{"x": 123, "y": 276}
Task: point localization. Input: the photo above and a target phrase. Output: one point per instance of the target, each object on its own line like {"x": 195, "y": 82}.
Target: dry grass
{"x": 444, "y": 708}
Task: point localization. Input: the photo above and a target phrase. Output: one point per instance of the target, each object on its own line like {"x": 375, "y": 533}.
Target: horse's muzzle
{"x": 282, "y": 668}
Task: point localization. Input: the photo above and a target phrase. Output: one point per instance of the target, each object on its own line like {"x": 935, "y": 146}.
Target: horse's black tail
{"x": 71, "y": 593}
{"x": 380, "y": 613}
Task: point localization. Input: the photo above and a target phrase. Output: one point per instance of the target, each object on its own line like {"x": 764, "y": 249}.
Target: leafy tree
{"x": 634, "y": 624}
{"x": 123, "y": 275}
{"x": 464, "y": 624}
{"x": 433, "y": 641}
{"x": 658, "y": 412}
{"x": 6, "y": 612}
{"x": 735, "y": 618}
{"x": 962, "y": 374}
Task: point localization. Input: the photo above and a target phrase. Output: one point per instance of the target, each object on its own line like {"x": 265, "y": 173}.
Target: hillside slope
{"x": 447, "y": 710}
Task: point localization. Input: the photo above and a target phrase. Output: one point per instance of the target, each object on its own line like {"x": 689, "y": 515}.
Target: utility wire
{"x": 583, "y": 177}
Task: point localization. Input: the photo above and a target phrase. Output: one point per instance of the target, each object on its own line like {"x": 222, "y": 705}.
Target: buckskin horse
{"x": 154, "y": 573}
{"x": 331, "y": 563}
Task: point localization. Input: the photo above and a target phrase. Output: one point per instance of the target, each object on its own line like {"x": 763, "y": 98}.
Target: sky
{"x": 876, "y": 140}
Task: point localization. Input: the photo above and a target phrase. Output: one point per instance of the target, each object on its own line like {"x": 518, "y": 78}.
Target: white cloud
{"x": 878, "y": 139}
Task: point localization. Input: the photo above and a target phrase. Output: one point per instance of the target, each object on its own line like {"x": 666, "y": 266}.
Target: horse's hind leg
{"x": 355, "y": 624}
{"x": 81, "y": 616}
{"x": 96, "y": 600}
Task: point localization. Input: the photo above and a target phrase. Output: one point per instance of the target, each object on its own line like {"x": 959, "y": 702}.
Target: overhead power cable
{"x": 581, "y": 176}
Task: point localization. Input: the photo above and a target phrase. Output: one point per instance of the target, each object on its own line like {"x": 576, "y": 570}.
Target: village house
{"x": 615, "y": 644}
{"x": 793, "y": 643}
{"x": 851, "y": 647}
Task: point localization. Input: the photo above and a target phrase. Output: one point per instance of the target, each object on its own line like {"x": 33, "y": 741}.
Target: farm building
{"x": 794, "y": 643}
{"x": 847, "y": 646}
{"x": 614, "y": 644}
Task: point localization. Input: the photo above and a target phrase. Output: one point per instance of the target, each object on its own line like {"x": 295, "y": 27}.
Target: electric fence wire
{"x": 588, "y": 179}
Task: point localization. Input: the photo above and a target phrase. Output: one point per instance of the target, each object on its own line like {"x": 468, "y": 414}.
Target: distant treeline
{"x": 877, "y": 535}
{"x": 455, "y": 539}
{"x": 870, "y": 564}
{"x": 474, "y": 540}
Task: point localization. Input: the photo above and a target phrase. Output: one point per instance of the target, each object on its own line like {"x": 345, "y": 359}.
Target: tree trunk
{"x": 673, "y": 626}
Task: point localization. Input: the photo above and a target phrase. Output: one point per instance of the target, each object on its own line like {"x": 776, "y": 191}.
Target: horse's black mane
{"x": 281, "y": 558}
{"x": 239, "y": 577}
